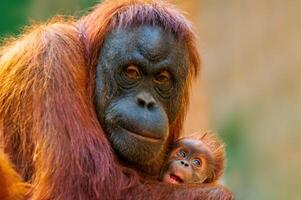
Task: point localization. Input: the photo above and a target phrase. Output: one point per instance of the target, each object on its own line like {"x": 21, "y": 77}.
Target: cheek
{"x": 199, "y": 176}
{"x": 175, "y": 104}
{"x": 173, "y": 107}
{"x": 105, "y": 89}
{"x": 166, "y": 168}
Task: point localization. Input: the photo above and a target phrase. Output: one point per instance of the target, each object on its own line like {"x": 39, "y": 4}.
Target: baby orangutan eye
{"x": 182, "y": 153}
{"x": 197, "y": 162}
{"x": 132, "y": 72}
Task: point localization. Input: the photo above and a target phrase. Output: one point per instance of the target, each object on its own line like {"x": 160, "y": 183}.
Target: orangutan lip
{"x": 142, "y": 136}
{"x": 176, "y": 178}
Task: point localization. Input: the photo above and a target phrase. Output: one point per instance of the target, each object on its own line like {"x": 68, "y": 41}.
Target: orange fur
{"x": 50, "y": 128}
{"x": 11, "y": 185}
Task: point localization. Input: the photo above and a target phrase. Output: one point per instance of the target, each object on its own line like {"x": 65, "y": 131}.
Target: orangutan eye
{"x": 197, "y": 162}
{"x": 132, "y": 72}
{"x": 182, "y": 153}
{"x": 163, "y": 77}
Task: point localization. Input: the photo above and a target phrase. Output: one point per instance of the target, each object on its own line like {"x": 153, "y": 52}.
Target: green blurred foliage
{"x": 238, "y": 153}
{"x": 13, "y": 16}
{"x": 17, "y": 13}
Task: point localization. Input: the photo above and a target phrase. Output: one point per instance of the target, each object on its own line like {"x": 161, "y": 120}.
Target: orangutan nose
{"x": 145, "y": 100}
{"x": 184, "y": 163}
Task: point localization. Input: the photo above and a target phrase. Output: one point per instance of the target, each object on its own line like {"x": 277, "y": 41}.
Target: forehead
{"x": 194, "y": 145}
{"x": 148, "y": 42}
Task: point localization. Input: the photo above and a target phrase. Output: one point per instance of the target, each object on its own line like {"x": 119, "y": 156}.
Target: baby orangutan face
{"x": 188, "y": 162}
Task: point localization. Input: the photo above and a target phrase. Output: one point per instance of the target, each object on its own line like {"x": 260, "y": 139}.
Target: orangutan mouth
{"x": 143, "y": 136}
{"x": 176, "y": 178}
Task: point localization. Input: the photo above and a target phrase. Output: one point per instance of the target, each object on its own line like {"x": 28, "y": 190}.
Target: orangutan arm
{"x": 158, "y": 190}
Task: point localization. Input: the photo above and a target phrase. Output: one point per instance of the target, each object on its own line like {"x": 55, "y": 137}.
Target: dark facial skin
{"x": 140, "y": 81}
{"x": 187, "y": 163}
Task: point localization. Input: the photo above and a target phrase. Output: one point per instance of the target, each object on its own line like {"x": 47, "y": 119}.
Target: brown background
{"x": 251, "y": 91}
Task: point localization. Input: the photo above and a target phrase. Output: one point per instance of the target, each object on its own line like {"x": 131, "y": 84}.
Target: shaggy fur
{"x": 11, "y": 185}
{"x": 50, "y": 128}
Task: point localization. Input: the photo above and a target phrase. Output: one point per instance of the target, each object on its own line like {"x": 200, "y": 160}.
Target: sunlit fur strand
{"x": 12, "y": 186}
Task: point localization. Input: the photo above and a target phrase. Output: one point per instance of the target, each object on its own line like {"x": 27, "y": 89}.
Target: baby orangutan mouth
{"x": 176, "y": 178}
{"x": 173, "y": 178}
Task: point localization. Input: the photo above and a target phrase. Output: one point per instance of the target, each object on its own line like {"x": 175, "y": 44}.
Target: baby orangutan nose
{"x": 184, "y": 163}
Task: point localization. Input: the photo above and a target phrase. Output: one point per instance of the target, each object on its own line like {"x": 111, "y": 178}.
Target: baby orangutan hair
{"x": 198, "y": 158}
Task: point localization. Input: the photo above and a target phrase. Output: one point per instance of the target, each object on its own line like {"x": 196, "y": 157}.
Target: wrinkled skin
{"x": 139, "y": 86}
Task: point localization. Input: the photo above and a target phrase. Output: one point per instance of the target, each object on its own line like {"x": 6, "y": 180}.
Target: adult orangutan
{"x": 73, "y": 94}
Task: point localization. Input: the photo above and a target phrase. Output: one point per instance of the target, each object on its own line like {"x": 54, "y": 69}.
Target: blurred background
{"x": 249, "y": 90}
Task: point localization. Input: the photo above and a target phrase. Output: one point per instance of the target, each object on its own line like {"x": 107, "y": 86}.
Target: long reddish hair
{"x": 50, "y": 128}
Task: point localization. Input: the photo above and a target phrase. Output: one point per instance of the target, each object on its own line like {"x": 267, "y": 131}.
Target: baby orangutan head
{"x": 195, "y": 159}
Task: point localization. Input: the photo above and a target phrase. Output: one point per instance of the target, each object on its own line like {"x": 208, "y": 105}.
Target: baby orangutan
{"x": 198, "y": 158}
